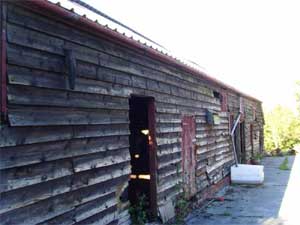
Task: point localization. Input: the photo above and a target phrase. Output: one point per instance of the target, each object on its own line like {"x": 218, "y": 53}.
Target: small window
{"x": 223, "y": 100}
{"x": 217, "y": 95}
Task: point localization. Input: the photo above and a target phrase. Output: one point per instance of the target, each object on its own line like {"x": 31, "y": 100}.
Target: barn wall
{"x": 252, "y": 115}
{"x": 65, "y": 153}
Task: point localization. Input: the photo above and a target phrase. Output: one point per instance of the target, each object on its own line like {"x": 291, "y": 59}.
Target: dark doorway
{"x": 239, "y": 141}
{"x": 251, "y": 140}
{"x": 242, "y": 142}
{"x": 142, "y": 148}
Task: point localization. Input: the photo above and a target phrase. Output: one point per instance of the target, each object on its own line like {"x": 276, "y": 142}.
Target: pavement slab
{"x": 275, "y": 202}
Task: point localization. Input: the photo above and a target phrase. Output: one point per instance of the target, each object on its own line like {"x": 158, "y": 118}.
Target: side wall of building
{"x": 65, "y": 153}
{"x": 253, "y": 123}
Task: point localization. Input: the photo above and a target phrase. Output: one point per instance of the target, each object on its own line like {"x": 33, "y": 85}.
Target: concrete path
{"x": 276, "y": 202}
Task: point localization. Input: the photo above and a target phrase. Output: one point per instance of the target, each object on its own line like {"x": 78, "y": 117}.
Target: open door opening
{"x": 239, "y": 140}
{"x": 142, "y": 184}
{"x": 251, "y": 141}
{"x": 242, "y": 142}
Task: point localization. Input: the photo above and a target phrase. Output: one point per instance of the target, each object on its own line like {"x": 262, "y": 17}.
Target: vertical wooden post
{"x": 3, "y": 103}
{"x": 251, "y": 140}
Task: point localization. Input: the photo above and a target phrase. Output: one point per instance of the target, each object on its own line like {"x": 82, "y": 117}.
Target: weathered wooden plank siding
{"x": 253, "y": 115}
{"x": 65, "y": 153}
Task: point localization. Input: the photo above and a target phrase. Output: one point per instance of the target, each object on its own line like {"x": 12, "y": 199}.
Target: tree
{"x": 282, "y": 129}
{"x": 298, "y": 96}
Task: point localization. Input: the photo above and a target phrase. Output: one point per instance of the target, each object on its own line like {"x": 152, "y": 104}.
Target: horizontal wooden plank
{"x": 25, "y": 95}
{"x": 172, "y": 158}
{"x": 103, "y": 218}
{"x": 85, "y": 193}
{"x": 213, "y": 167}
{"x": 53, "y": 207}
{"x": 32, "y": 194}
{"x": 168, "y": 149}
{"x": 63, "y": 219}
{"x": 168, "y": 138}
{"x": 215, "y": 147}
{"x": 17, "y": 55}
{"x": 168, "y": 128}
{"x": 168, "y": 118}
{"x": 12, "y": 136}
{"x": 23, "y": 176}
{"x": 171, "y": 168}
{"x": 174, "y": 171}
{"x": 211, "y": 133}
{"x": 124, "y": 218}
{"x": 94, "y": 207}
{"x": 38, "y": 78}
{"x": 22, "y": 155}
{"x": 51, "y": 116}
{"x": 168, "y": 194}
{"x": 167, "y": 108}
{"x": 101, "y": 159}
{"x": 168, "y": 182}
{"x": 39, "y": 212}
{"x": 211, "y": 141}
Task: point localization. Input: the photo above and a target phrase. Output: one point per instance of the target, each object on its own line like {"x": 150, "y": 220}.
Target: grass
{"x": 226, "y": 214}
{"x": 181, "y": 209}
{"x": 284, "y": 164}
{"x": 137, "y": 212}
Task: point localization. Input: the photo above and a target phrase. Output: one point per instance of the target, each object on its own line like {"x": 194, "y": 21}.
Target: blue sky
{"x": 252, "y": 45}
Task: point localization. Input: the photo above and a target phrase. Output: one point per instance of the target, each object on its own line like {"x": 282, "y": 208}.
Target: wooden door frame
{"x": 152, "y": 156}
{"x": 152, "y": 147}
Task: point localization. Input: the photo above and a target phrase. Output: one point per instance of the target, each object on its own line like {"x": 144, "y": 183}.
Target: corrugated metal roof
{"x": 86, "y": 13}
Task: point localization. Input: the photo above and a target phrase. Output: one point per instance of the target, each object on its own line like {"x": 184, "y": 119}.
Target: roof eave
{"x": 58, "y": 13}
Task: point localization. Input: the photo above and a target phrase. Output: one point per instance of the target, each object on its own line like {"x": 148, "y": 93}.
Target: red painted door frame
{"x": 189, "y": 155}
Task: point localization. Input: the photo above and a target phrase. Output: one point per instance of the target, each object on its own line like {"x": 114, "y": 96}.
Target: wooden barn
{"x": 91, "y": 119}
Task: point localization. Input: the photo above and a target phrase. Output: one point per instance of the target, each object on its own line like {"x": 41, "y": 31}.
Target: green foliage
{"x": 258, "y": 156}
{"x": 138, "y": 213}
{"x": 226, "y": 213}
{"x": 284, "y": 164}
{"x": 298, "y": 96}
{"x": 282, "y": 129}
{"x": 181, "y": 208}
